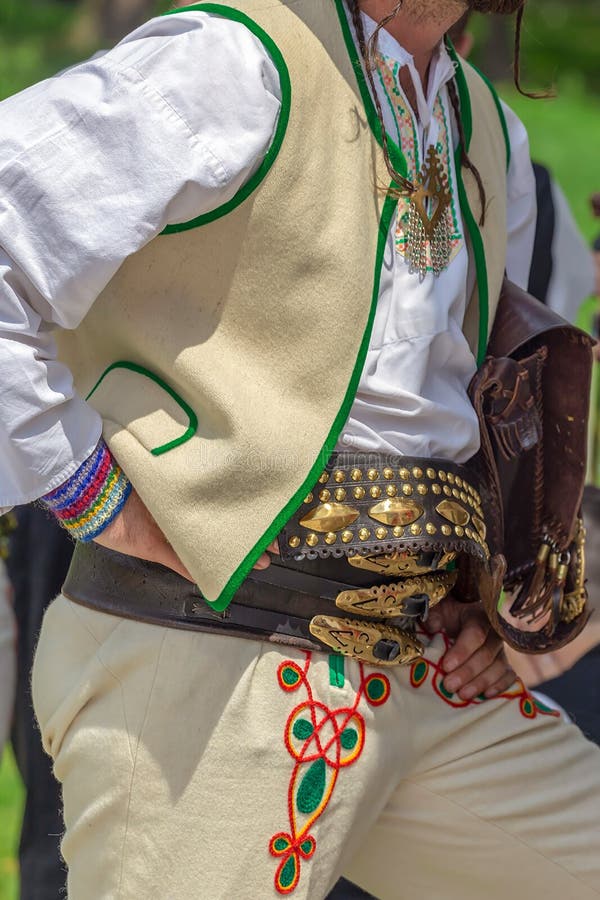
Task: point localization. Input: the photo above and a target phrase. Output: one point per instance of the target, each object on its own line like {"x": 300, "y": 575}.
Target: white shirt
{"x": 166, "y": 126}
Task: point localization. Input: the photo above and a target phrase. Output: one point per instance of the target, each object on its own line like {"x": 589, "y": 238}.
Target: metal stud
{"x": 407, "y": 490}
{"x": 417, "y": 473}
{"x": 388, "y": 473}
{"x": 460, "y": 531}
{"x": 359, "y": 493}
{"x": 375, "y": 492}
{"x": 312, "y": 540}
{"x": 391, "y": 490}
{"x": 430, "y": 528}
{"x": 459, "y": 481}
{"x": 436, "y": 488}
{"x": 431, "y": 474}
{"x": 480, "y": 526}
{"x": 456, "y": 493}
{"x": 416, "y": 530}
{"x": 447, "y": 491}
{"x": 347, "y": 536}
{"x": 464, "y": 496}
{"x": 398, "y": 531}
{"x": 324, "y": 478}
{"x": 294, "y": 541}
{"x": 364, "y": 534}
{"x": 372, "y": 474}
{"x": 329, "y": 517}
{"x": 396, "y": 511}
{"x": 340, "y": 494}
{"x": 324, "y": 496}
{"x": 330, "y": 538}
{"x": 453, "y": 512}
{"x": 442, "y": 475}
{"x": 446, "y": 530}
{"x": 338, "y": 476}
{"x": 308, "y": 498}
{"x": 422, "y": 489}
{"x": 451, "y": 478}
{"x": 356, "y": 475}
{"x": 381, "y": 533}
{"x": 404, "y": 474}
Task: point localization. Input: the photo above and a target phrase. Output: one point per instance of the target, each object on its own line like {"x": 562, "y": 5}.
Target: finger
{"x": 477, "y": 663}
{"x": 273, "y": 547}
{"x": 445, "y": 617}
{"x": 484, "y": 680}
{"x": 471, "y": 638}
{"x": 263, "y": 561}
{"x": 503, "y": 684}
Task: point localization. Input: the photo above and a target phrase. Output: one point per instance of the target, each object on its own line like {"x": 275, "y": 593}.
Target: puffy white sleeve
{"x": 94, "y": 163}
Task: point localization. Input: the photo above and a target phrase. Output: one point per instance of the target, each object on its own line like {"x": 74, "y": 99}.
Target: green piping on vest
{"x": 501, "y": 115}
{"x": 470, "y": 221}
{"x": 290, "y": 508}
{"x": 244, "y": 192}
{"x": 396, "y": 155}
{"x": 140, "y": 370}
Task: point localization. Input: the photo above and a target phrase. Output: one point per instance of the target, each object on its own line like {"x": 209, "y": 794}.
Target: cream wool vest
{"x": 225, "y": 355}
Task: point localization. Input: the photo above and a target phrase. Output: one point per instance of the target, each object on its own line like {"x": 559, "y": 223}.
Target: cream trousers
{"x": 217, "y": 768}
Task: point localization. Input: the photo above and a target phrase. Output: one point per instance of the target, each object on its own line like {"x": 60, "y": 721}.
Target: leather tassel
{"x": 534, "y": 597}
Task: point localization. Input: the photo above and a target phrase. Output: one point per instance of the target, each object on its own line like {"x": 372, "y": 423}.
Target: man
{"x": 208, "y": 744}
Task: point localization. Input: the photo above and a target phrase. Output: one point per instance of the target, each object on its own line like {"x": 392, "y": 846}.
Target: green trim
{"x": 471, "y": 223}
{"x": 463, "y": 92}
{"x": 336, "y": 670}
{"x": 385, "y": 221}
{"x": 396, "y": 155}
{"x": 292, "y": 505}
{"x": 501, "y": 115}
{"x": 274, "y": 52}
{"x": 140, "y": 370}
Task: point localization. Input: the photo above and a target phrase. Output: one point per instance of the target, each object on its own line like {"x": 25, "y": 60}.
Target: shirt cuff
{"x": 91, "y": 498}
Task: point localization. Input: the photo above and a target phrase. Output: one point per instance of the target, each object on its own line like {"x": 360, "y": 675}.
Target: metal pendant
{"x": 428, "y": 234}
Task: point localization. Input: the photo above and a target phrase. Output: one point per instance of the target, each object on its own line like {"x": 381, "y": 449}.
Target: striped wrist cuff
{"x": 88, "y": 502}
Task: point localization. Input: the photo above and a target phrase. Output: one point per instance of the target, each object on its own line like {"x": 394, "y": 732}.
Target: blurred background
{"x": 561, "y": 44}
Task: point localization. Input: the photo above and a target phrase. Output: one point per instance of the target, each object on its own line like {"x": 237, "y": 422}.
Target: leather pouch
{"x": 531, "y": 396}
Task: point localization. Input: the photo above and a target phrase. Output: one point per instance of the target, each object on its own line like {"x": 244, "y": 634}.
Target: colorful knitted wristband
{"x": 88, "y": 502}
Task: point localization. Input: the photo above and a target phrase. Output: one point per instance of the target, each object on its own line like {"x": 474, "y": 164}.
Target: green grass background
{"x": 560, "y": 47}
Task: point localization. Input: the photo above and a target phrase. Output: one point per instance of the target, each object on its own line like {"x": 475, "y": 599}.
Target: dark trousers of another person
{"x": 40, "y": 553}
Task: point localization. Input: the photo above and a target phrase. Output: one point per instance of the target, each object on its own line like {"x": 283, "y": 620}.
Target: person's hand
{"x": 135, "y": 533}
{"x": 476, "y": 663}
{"x": 264, "y": 560}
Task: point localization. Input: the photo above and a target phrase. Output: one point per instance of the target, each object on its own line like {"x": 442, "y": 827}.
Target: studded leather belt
{"x": 336, "y": 587}
{"x": 372, "y": 505}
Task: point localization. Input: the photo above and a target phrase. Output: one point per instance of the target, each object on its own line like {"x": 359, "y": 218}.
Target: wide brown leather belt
{"x": 277, "y": 605}
{"x": 340, "y": 583}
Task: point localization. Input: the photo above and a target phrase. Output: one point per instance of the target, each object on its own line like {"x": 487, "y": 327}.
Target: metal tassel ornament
{"x": 428, "y": 233}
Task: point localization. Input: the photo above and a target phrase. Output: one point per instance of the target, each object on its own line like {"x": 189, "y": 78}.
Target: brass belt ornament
{"x": 388, "y": 600}
{"x": 373, "y": 643}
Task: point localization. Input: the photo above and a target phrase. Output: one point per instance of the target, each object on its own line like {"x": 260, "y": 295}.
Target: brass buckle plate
{"x": 373, "y": 643}
{"x": 390, "y": 565}
{"x": 388, "y": 600}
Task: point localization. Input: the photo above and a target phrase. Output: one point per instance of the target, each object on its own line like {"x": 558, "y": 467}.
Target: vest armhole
{"x": 228, "y": 12}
